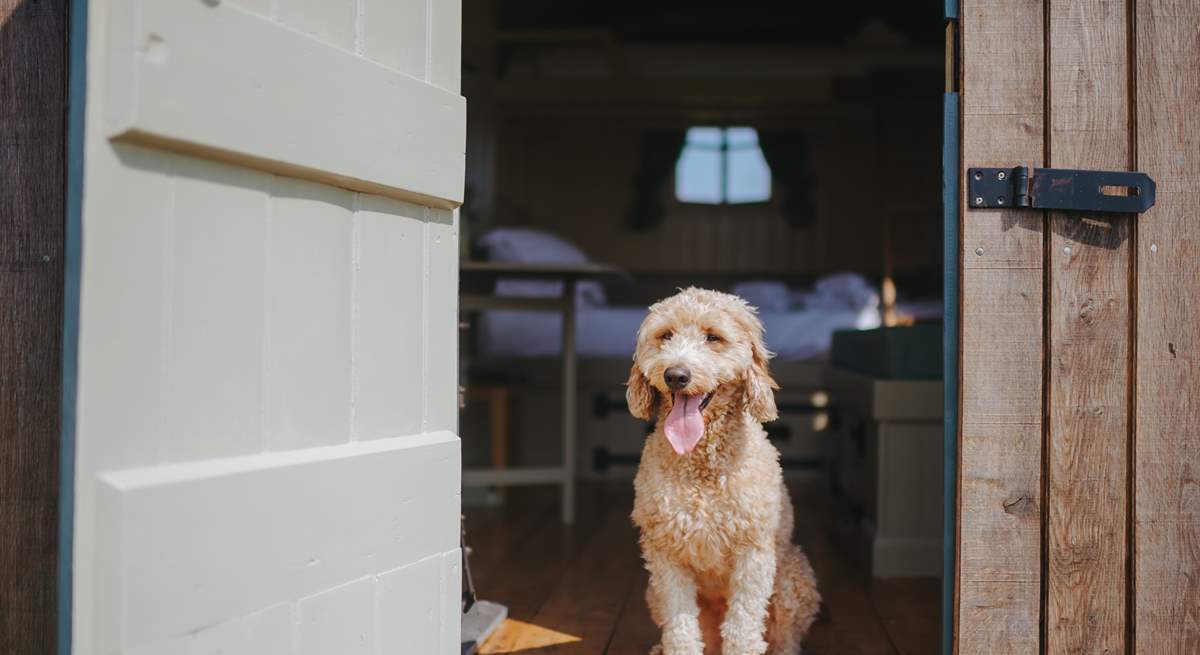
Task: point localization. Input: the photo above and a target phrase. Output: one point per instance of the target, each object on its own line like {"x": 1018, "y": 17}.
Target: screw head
{"x": 979, "y": 251}
{"x": 978, "y": 175}
{"x": 978, "y": 200}
{"x": 1001, "y": 175}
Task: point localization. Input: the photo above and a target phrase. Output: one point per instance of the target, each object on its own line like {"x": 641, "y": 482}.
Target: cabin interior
{"x": 786, "y": 152}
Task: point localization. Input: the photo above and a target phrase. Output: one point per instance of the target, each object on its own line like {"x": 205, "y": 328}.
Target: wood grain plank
{"x": 848, "y": 624}
{"x": 1089, "y": 332}
{"x": 581, "y": 589}
{"x": 635, "y": 632}
{"x": 999, "y": 514}
{"x": 588, "y": 599}
{"x": 1167, "y": 438}
{"x": 525, "y": 579}
{"x": 493, "y": 532}
{"x": 32, "y": 145}
{"x": 908, "y": 609}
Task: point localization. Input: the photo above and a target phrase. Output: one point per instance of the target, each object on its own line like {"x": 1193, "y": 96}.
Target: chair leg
{"x": 498, "y": 402}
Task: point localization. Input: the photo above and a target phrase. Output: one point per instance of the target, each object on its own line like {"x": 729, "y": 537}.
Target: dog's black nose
{"x": 677, "y": 377}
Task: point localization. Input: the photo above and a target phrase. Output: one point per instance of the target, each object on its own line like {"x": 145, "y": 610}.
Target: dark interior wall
{"x": 32, "y": 137}
{"x": 559, "y": 97}
{"x": 763, "y": 21}
{"x": 573, "y": 175}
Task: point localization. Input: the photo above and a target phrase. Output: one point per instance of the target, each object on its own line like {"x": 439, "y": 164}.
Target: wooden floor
{"x": 580, "y": 590}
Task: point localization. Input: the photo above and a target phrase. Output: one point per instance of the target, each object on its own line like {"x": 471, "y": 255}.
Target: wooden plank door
{"x": 1166, "y": 449}
{"x": 1078, "y": 526}
{"x": 266, "y": 374}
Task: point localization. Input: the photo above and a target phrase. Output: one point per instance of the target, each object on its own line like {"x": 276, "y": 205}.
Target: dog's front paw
{"x": 681, "y": 636}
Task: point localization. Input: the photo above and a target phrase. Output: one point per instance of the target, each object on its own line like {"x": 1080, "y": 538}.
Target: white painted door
{"x": 266, "y": 450}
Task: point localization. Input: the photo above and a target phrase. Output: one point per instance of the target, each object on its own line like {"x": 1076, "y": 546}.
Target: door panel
{"x": 999, "y": 554}
{"x": 1079, "y": 511}
{"x": 1166, "y": 529}
{"x": 267, "y": 346}
{"x": 1089, "y": 330}
{"x": 284, "y": 101}
{"x": 172, "y": 527}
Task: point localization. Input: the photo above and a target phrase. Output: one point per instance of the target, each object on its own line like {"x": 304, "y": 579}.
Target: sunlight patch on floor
{"x": 515, "y": 636}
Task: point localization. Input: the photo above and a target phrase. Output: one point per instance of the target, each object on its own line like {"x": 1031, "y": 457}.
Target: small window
{"x": 722, "y": 165}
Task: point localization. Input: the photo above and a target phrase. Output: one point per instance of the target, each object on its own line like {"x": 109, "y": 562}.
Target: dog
{"x": 714, "y": 516}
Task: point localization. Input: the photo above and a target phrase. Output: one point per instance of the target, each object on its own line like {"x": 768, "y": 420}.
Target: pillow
{"x": 766, "y": 295}
{"x": 798, "y": 299}
{"x": 590, "y": 292}
{"x": 843, "y": 291}
{"x": 530, "y": 246}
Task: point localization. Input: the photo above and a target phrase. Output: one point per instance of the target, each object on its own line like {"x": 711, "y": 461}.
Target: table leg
{"x": 570, "y": 394}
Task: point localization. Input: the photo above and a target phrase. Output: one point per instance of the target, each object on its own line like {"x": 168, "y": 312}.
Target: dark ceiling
{"x": 796, "y": 23}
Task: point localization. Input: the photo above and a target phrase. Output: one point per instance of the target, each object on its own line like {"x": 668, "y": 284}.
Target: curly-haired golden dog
{"x": 715, "y": 517}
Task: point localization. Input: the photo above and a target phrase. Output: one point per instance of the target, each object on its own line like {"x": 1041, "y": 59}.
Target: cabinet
{"x": 886, "y": 471}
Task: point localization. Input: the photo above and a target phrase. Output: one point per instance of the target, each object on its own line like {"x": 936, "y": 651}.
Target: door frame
{"x": 950, "y": 364}
{"x": 77, "y": 22}
{"x": 951, "y": 247}
{"x": 36, "y": 38}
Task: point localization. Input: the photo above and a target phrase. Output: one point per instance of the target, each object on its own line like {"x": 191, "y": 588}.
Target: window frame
{"x": 723, "y": 150}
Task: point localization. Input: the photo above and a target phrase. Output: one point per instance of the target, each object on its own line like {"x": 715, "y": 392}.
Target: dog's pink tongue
{"x": 684, "y": 425}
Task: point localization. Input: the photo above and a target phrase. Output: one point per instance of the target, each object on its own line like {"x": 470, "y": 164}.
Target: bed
{"x": 523, "y": 346}
{"x": 799, "y": 323}
{"x": 609, "y": 331}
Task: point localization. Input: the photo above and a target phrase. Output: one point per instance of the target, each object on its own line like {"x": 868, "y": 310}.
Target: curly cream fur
{"x": 716, "y": 523}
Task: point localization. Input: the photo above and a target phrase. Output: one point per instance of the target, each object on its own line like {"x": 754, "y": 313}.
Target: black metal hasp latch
{"x": 1121, "y": 192}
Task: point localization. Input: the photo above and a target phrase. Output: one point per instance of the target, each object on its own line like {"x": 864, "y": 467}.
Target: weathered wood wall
{"x": 32, "y": 142}
{"x": 1079, "y": 511}
{"x": 569, "y": 167}
{"x": 1000, "y": 508}
{"x": 1166, "y": 495}
{"x": 1087, "y": 309}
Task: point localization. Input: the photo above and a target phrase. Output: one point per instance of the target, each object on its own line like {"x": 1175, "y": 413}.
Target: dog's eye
{"x": 666, "y": 336}
{"x": 713, "y": 338}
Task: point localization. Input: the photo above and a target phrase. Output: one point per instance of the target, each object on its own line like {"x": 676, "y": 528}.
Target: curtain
{"x": 787, "y": 155}
{"x": 660, "y": 151}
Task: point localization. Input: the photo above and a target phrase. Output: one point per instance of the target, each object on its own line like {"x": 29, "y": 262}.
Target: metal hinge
{"x": 1120, "y": 192}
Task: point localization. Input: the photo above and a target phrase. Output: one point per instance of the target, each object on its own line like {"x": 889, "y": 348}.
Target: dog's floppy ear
{"x": 760, "y": 386}
{"x": 640, "y": 395}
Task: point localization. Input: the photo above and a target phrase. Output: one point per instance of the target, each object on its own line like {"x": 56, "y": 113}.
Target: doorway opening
{"x": 789, "y": 154}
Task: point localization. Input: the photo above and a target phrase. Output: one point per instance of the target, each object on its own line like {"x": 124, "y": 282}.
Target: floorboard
{"x": 581, "y": 590}
{"x": 635, "y": 633}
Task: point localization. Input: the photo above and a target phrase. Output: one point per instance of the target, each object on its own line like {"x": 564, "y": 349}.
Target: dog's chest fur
{"x": 700, "y": 514}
